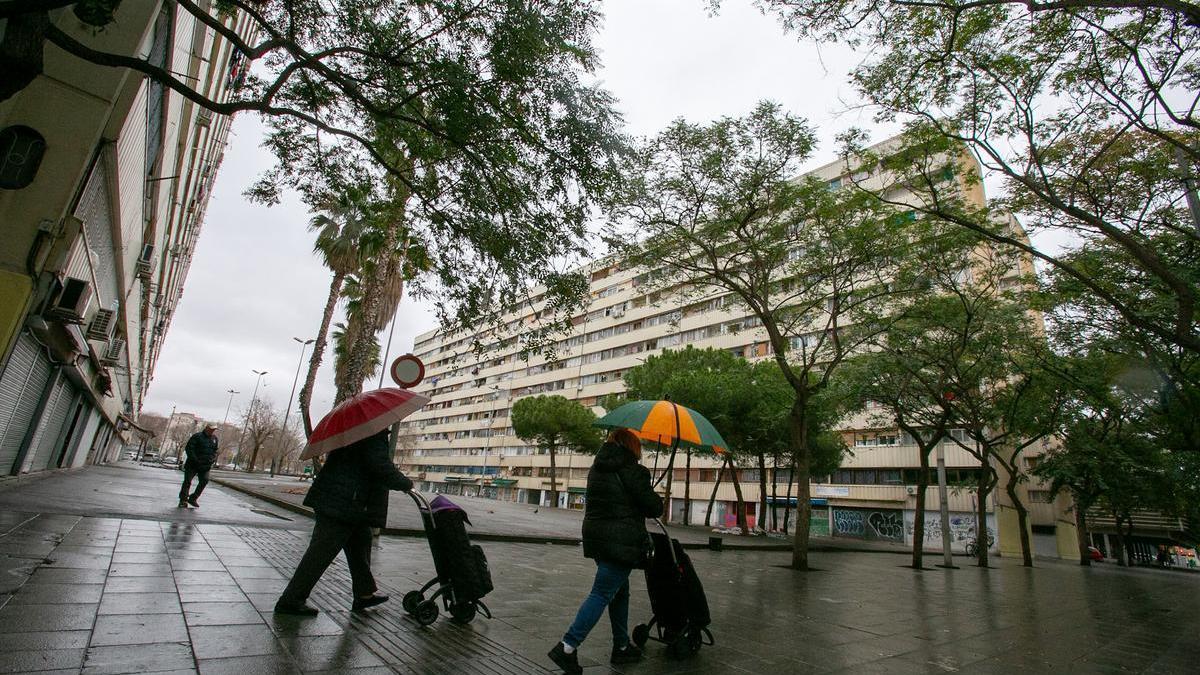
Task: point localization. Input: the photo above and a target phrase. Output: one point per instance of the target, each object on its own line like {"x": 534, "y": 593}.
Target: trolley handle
{"x": 422, "y": 504}
{"x": 670, "y": 547}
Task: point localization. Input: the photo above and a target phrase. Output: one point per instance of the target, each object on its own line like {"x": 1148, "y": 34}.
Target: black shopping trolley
{"x": 462, "y": 570}
{"x": 677, "y": 599}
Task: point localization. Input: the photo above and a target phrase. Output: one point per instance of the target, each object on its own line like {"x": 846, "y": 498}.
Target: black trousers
{"x": 329, "y": 536}
{"x": 190, "y": 472}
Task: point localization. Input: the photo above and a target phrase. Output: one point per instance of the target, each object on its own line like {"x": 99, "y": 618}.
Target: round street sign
{"x": 408, "y": 371}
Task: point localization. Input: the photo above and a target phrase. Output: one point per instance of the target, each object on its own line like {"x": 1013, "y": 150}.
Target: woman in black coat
{"x": 349, "y": 497}
{"x": 619, "y": 500}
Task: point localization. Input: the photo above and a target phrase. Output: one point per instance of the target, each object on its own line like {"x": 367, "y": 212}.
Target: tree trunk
{"x": 981, "y": 529}
{"x": 1022, "y": 514}
{"x": 918, "y": 550}
{"x": 362, "y": 327}
{"x": 1126, "y": 533}
{"x": 253, "y": 458}
{"x": 1081, "y": 531}
{"x": 761, "y": 521}
{"x": 774, "y": 495}
{"x": 687, "y": 489}
{"x": 741, "y": 500}
{"x": 318, "y": 353}
{"x": 787, "y": 498}
{"x": 712, "y": 499}
{"x": 553, "y": 480}
{"x": 670, "y": 480}
{"x": 799, "y": 442}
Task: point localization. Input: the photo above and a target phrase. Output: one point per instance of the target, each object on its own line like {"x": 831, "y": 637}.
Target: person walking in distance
{"x": 201, "y": 451}
{"x": 619, "y": 499}
{"x": 349, "y": 496}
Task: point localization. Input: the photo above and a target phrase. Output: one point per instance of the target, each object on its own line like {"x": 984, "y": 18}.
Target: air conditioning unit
{"x": 102, "y": 324}
{"x": 617, "y": 313}
{"x": 144, "y": 267}
{"x": 72, "y": 302}
{"x": 112, "y": 355}
{"x": 204, "y": 117}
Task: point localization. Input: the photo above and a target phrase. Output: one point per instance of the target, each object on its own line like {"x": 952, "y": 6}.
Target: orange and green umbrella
{"x": 665, "y": 423}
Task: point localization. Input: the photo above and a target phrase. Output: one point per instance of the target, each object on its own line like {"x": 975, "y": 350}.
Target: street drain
{"x": 268, "y": 513}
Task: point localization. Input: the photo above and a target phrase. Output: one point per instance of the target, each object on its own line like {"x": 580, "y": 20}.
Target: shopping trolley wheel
{"x": 463, "y": 612}
{"x": 426, "y": 612}
{"x": 680, "y": 647}
{"x": 695, "y": 638}
{"x": 411, "y": 600}
{"x": 641, "y": 633}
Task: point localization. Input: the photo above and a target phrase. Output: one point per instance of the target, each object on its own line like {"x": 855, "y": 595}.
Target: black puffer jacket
{"x": 201, "y": 451}
{"x": 353, "y": 485}
{"x": 614, "y": 527}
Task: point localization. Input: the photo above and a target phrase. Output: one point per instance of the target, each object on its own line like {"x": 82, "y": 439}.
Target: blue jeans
{"x": 611, "y": 590}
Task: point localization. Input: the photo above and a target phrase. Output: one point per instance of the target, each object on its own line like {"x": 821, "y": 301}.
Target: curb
{"x": 558, "y": 541}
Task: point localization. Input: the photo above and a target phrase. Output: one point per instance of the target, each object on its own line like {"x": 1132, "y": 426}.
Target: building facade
{"x": 104, "y": 179}
{"x": 462, "y": 442}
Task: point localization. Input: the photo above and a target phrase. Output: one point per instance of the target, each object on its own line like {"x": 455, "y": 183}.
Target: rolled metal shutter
{"x": 21, "y": 387}
{"x": 54, "y": 422}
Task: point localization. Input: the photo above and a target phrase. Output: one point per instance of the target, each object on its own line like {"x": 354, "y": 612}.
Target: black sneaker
{"x": 182, "y": 504}
{"x": 627, "y": 654}
{"x": 363, "y": 603}
{"x": 295, "y": 610}
{"x": 193, "y": 502}
{"x": 568, "y": 662}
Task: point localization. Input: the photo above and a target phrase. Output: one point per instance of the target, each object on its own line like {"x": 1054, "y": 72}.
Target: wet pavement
{"x": 127, "y": 592}
{"x": 501, "y": 520}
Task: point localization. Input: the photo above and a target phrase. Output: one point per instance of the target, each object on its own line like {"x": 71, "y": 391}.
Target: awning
{"x": 135, "y": 425}
{"x": 577, "y": 490}
{"x": 461, "y": 479}
{"x": 503, "y": 482}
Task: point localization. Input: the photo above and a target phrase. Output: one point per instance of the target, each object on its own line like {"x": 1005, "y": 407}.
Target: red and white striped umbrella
{"x": 360, "y": 417}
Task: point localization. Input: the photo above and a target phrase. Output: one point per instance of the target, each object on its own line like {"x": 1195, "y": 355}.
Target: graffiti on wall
{"x": 962, "y": 529}
{"x": 887, "y": 525}
{"x": 848, "y": 522}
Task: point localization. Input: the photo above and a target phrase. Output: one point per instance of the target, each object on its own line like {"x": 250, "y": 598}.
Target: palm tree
{"x": 340, "y": 228}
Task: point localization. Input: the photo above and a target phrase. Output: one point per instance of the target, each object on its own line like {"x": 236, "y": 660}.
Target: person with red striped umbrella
{"x": 350, "y": 494}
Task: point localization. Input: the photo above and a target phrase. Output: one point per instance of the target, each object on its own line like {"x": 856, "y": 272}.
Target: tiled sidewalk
{"x": 134, "y": 596}
{"x": 157, "y": 589}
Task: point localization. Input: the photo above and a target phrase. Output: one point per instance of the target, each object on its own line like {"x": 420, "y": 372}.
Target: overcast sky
{"x": 255, "y": 284}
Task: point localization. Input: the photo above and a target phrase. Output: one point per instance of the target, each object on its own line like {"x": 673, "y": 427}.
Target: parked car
{"x": 1095, "y": 554}
{"x": 170, "y": 462}
{"x": 150, "y": 458}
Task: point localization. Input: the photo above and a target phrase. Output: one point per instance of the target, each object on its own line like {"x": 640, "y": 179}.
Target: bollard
{"x": 716, "y": 543}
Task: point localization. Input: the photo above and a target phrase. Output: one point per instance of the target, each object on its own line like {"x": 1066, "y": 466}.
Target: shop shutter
{"x": 55, "y": 418}
{"x": 21, "y": 387}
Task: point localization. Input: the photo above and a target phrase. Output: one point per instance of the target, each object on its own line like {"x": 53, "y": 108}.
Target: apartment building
{"x": 104, "y": 180}
{"x": 462, "y": 442}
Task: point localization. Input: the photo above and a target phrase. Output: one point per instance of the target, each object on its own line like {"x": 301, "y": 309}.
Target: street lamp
{"x": 250, "y": 410}
{"x": 487, "y": 444}
{"x": 303, "y": 344}
{"x": 228, "y": 406}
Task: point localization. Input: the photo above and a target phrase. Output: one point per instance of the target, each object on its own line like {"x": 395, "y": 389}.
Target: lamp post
{"x": 229, "y": 405}
{"x": 487, "y": 444}
{"x": 303, "y": 345}
{"x": 250, "y": 410}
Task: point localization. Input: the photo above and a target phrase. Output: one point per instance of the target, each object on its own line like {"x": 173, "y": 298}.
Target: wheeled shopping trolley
{"x": 462, "y": 570}
{"x": 677, "y": 599}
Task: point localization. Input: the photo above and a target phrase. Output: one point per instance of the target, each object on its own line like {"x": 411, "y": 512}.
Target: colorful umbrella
{"x": 665, "y": 422}
{"x": 361, "y": 417}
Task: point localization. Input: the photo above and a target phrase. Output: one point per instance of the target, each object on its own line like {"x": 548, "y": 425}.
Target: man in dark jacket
{"x": 201, "y": 451}
{"x": 619, "y": 499}
{"x": 349, "y": 496}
